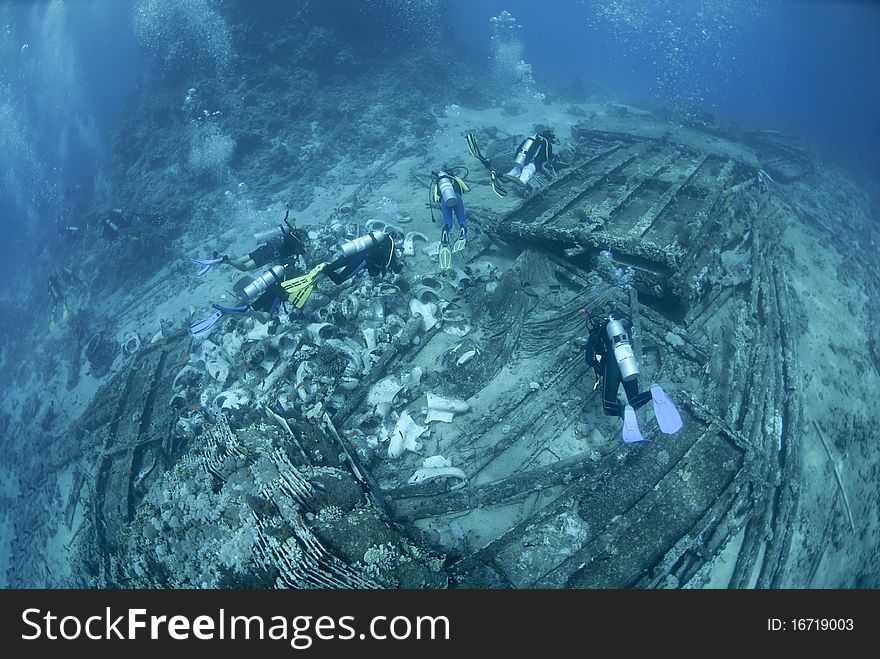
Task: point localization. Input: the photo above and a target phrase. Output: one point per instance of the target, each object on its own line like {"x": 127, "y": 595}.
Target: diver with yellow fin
{"x": 374, "y": 252}
{"x": 497, "y": 188}
{"x": 446, "y": 190}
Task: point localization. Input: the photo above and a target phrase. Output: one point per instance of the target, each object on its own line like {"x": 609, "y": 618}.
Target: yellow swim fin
{"x": 445, "y": 255}
{"x": 460, "y": 242}
{"x": 497, "y": 188}
{"x": 63, "y": 312}
{"x": 445, "y": 258}
{"x": 475, "y": 150}
{"x": 300, "y": 288}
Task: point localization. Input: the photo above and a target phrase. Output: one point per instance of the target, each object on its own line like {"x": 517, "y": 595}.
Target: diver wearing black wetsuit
{"x": 610, "y": 353}
{"x": 532, "y": 154}
{"x": 377, "y": 256}
{"x": 600, "y": 355}
{"x": 288, "y": 245}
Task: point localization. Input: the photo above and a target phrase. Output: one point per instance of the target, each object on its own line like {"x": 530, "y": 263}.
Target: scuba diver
{"x": 446, "y": 190}
{"x": 610, "y": 353}
{"x": 376, "y": 252}
{"x": 262, "y": 296}
{"x": 533, "y": 153}
{"x": 497, "y": 188}
{"x": 113, "y": 223}
{"x": 57, "y": 296}
{"x": 280, "y": 243}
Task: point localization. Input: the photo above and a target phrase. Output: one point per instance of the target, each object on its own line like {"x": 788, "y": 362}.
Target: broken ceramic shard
{"x": 320, "y": 332}
{"x": 405, "y": 436}
{"x": 428, "y": 312}
{"x": 381, "y": 395}
{"x": 409, "y": 248}
{"x": 436, "y": 467}
{"x": 465, "y": 357}
{"x": 455, "y": 322}
{"x": 259, "y": 332}
{"x": 460, "y": 278}
{"x": 232, "y": 400}
{"x": 444, "y": 409}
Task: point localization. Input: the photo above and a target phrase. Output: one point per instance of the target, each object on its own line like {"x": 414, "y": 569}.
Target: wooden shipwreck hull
{"x": 553, "y": 498}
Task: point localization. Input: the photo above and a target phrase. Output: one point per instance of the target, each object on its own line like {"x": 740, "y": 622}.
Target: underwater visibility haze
{"x": 439, "y": 294}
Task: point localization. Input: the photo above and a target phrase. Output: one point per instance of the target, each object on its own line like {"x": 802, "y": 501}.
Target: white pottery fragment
{"x": 370, "y": 338}
{"x": 320, "y": 332}
{"x": 435, "y": 461}
{"x": 381, "y": 395}
{"x": 436, "y": 467}
{"x": 444, "y": 409}
{"x": 232, "y": 399}
{"x": 405, "y": 436}
{"x": 465, "y": 357}
{"x": 232, "y": 343}
{"x": 217, "y": 368}
{"x": 433, "y": 249}
{"x": 428, "y": 312}
{"x": 409, "y": 248}
{"x": 259, "y": 332}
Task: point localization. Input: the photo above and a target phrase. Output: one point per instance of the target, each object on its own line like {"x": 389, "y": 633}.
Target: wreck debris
{"x": 852, "y": 524}
{"x": 531, "y": 488}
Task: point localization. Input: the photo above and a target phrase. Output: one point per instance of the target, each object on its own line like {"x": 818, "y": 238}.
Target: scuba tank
{"x": 274, "y": 275}
{"x": 363, "y": 242}
{"x": 110, "y": 227}
{"x": 446, "y": 189}
{"x": 269, "y": 235}
{"x": 623, "y": 352}
{"x": 521, "y": 156}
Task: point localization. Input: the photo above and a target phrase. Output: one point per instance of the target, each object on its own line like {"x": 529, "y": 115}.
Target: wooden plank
{"x": 507, "y": 490}
{"x": 660, "y": 205}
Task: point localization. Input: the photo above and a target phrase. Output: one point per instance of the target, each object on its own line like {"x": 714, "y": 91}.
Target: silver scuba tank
{"x": 275, "y": 233}
{"x": 258, "y": 286}
{"x": 623, "y": 352}
{"x": 521, "y": 156}
{"x": 447, "y": 189}
{"x": 362, "y": 243}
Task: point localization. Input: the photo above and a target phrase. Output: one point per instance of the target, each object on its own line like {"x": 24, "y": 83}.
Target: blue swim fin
{"x": 205, "y": 324}
{"x": 631, "y": 433}
{"x": 206, "y": 264}
{"x": 667, "y": 414}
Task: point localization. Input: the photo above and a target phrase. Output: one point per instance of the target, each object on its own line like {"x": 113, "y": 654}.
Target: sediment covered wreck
{"x": 299, "y": 457}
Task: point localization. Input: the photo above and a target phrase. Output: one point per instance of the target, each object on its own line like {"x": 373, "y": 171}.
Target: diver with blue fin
{"x": 283, "y": 242}
{"x": 609, "y": 351}
{"x": 375, "y": 252}
{"x": 263, "y": 296}
{"x": 446, "y": 190}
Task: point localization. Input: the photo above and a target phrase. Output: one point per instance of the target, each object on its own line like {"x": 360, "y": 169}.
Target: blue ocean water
{"x": 65, "y": 71}
{"x": 184, "y": 112}
{"x": 809, "y": 68}
{"x": 804, "y": 67}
